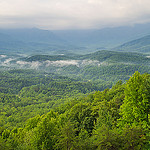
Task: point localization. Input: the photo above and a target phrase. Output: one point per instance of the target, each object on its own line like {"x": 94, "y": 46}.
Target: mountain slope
{"x": 99, "y": 57}
{"x": 106, "y": 37}
{"x": 32, "y": 35}
{"x": 139, "y": 45}
{"x": 29, "y": 41}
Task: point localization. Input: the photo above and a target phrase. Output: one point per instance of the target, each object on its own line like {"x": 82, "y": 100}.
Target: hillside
{"x": 101, "y": 56}
{"x": 113, "y": 56}
{"x": 28, "y": 41}
{"x": 104, "y": 38}
{"x": 101, "y": 66}
{"x": 32, "y": 35}
{"x": 113, "y": 119}
{"x": 141, "y": 45}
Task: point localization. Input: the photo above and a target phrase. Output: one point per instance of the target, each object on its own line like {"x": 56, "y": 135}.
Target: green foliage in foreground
{"x": 113, "y": 119}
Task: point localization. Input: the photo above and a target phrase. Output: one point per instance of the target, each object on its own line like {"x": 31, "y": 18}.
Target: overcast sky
{"x": 73, "y": 14}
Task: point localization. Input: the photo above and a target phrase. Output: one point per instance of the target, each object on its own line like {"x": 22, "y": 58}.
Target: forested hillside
{"x": 101, "y": 66}
{"x": 78, "y": 102}
{"x": 113, "y": 119}
{"x": 25, "y": 93}
{"x": 139, "y": 45}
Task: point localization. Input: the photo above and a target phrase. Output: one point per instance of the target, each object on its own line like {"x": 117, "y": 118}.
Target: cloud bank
{"x": 73, "y": 14}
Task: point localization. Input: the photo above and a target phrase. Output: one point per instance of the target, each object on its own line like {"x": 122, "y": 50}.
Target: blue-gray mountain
{"x": 139, "y": 45}
{"x": 37, "y": 41}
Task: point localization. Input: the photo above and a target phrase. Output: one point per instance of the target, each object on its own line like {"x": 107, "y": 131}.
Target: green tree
{"x": 4, "y": 145}
{"x": 135, "y": 111}
{"x": 66, "y": 139}
{"x": 105, "y": 138}
{"x": 136, "y": 106}
{"x": 133, "y": 138}
{"x": 44, "y": 132}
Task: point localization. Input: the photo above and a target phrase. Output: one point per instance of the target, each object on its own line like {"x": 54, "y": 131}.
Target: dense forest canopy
{"x": 117, "y": 118}
{"x": 96, "y": 101}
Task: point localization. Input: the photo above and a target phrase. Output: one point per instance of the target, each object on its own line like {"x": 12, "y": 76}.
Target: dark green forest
{"x": 44, "y": 111}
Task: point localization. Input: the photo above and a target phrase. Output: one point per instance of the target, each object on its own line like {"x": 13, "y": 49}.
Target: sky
{"x": 73, "y": 14}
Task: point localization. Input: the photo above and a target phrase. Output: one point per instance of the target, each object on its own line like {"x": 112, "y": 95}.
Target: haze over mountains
{"x": 37, "y": 41}
{"x": 107, "y": 37}
{"x": 138, "y": 45}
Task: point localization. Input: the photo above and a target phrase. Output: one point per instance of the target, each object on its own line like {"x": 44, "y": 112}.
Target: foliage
{"x": 136, "y": 106}
{"x": 112, "y": 119}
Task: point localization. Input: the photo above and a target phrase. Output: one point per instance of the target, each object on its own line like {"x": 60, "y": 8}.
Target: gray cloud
{"x": 73, "y": 14}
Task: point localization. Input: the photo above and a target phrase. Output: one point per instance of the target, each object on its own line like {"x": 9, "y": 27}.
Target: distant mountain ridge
{"x": 139, "y": 45}
{"x": 38, "y": 41}
{"x": 106, "y": 37}
{"x": 28, "y": 40}
{"x": 32, "y": 35}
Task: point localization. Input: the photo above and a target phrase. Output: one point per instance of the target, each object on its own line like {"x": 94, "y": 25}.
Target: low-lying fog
{"x": 8, "y": 61}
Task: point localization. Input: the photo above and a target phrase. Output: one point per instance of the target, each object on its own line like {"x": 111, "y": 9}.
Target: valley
{"x": 74, "y": 91}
